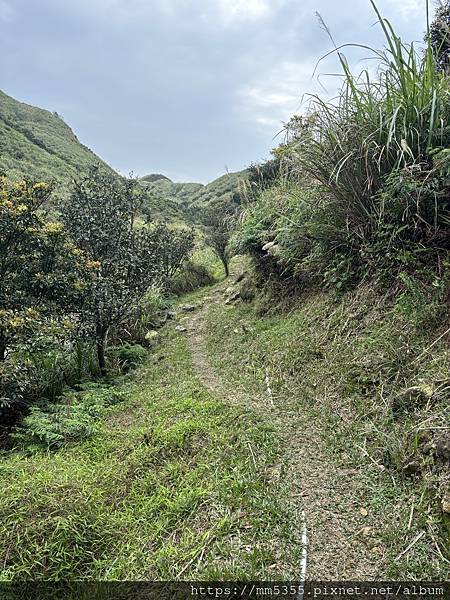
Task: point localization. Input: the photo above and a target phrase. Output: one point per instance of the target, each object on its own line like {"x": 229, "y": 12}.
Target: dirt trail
{"x": 340, "y": 543}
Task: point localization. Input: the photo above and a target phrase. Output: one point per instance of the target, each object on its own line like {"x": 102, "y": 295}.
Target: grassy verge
{"x": 344, "y": 365}
{"x": 174, "y": 485}
{"x": 203, "y": 255}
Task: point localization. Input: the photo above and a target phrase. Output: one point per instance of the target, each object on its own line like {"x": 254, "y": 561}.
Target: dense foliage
{"x": 43, "y": 277}
{"x": 440, "y": 36}
{"x": 357, "y": 215}
{"x": 101, "y": 218}
{"x": 174, "y": 245}
{"x": 66, "y": 285}
{"x": 39, "y": 268}
{"x": 357, "y": 200}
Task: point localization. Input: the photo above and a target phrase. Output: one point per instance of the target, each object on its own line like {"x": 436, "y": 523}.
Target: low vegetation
{"x": 166, "y": 488}
{"x": 367, "y": 375}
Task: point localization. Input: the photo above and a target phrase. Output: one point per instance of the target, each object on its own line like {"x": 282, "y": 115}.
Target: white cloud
{"x": 284, "y": 91}
{"x": 6, "y": 11}
{"x": 221, "y": 12}
{"x": 233, "y": 10}
{"x": 409, "y": 10}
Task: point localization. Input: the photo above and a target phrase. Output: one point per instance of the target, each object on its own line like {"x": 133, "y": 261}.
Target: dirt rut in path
{"x": 341, "y": 545}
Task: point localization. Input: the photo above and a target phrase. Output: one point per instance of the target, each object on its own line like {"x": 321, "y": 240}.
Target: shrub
{"x": 173, "y": 246}
{"x": 191, "y": 277}
{"x": 278, "y": 230}
{"x": 28, "y": 376}
{"x": 380, "y": 124}
{"x": 42, "y": 282}
{"x": 380, "y": 134}
{"x": 14, "y": 389}
{"x": 150, "y": 313}
{"x": 129, "y": 356}
{"x": 101, "y": 218}
{"x": 204, "y": 255}
{"x": 42, "y": 274}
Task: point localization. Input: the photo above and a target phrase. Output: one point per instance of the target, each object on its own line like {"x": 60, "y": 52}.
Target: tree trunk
{"x": 102, "y": 332}
{"x": 2, "y": 349}
{"x": 225, "y": 266}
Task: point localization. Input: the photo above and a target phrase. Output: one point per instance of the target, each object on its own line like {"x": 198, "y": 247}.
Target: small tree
{"x": 219, "y": 220}
{"x": 101, "y": 218}
{"x": 42, "y": 275}
{"x": 173, "y": 248}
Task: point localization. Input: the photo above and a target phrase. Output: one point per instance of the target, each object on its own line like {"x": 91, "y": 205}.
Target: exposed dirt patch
{"x": 342, "y": 538}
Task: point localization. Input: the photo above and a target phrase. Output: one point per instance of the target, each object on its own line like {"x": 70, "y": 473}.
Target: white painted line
{"x": 304, "y": 560}
{"x": 269, "y": 390}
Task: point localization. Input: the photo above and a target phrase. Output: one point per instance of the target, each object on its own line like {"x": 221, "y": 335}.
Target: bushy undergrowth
{"x": 204, "y": 255}
{"x": 202, "y": 269}
{"x": 129, "y": 356}
{"x": 72, "y": 419}
{"x": 191, "y": 277}
{"x": 148, "y": 315}
{"x": 27, "y": 377}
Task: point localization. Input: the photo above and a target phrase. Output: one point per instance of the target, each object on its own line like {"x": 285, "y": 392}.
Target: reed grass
{"x": 381, "y": 123}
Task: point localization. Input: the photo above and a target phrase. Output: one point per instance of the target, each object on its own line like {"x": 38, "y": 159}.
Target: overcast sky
{"x": 188, "y": 88}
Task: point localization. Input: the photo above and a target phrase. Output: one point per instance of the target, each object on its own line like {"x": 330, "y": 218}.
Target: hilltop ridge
{"x": 191, "y": 197}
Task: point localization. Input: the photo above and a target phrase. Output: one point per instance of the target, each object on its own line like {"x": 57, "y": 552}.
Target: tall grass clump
{"x": 380, "y": 123}
{"x": 380, "y": 152}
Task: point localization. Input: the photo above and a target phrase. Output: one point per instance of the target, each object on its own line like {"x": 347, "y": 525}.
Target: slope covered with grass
{"x": 39, "y": 145}
{"x": 366, "y": 378}
{"x": 188, "y": 199}
{"x": 352, "y": 232}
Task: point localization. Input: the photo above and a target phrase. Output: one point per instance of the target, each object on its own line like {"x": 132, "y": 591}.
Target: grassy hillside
{"x": 38, "y": 144}
{"x": 166, "y": 489}
{"x": 363, "y": 377}
{"x": 351, "y": 256}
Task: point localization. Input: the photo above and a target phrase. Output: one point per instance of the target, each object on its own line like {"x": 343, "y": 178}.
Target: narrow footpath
{"x": 325, "y": 494}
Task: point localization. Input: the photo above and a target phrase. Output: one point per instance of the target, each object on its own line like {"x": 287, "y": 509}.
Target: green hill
{"x": 38, "y": 144}
{"x": 187, "y": 199}
{"x": 154, "y": 177}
